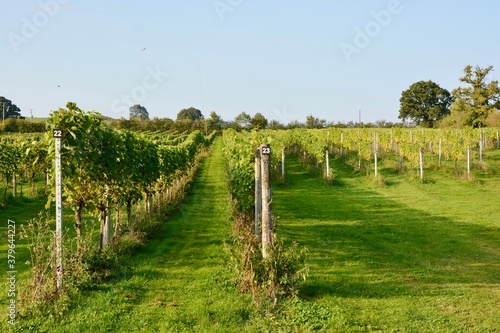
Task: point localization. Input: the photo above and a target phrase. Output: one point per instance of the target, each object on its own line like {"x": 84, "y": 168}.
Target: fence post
{"x": 440, "y": 153}
{"x": 468, "y": 162}
{"x": 266, "y": 199}
{"x": 258, "y": 193}
{"x": 59, "y": 211}
{"x": 375, "y": 153}
{"x": 341, "y": 150}
{"x": 327, "y": 156}
{"x": 421, "y": 163}
{"x": 481, "y": 146}
{"x": 283, "y": 164}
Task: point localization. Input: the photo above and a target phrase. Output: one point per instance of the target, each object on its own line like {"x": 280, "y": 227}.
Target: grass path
{"x": 179, "y": 281}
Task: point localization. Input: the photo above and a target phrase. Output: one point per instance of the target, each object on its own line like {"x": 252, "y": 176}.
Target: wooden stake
{"x": 375, "y": 153}
{"x": 266, "y": 199}
{"x": 59, "y": 210}
{"x": 440, "y": 153}
{"x": 421, "y": 163}
{"x": 327, "y": 157}
{"x": 468, "y": 162}
{"x": 258, "y": 193}
{"x": 283, "y": 164}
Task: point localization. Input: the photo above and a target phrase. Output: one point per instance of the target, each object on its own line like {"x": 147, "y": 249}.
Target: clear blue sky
{"x": 284, "y": 59}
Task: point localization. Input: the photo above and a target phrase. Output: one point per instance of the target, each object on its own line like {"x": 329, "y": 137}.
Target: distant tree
{"x": 138, "y": 112}
{"x": 473, "y": 105}
{"x": 274, "y": 124}
{"x": 159, "y": 124}
{"x": 215, "y": 121}
{"x": 352, "y": 124}
{"x": 313, "y": 122}
{"x": 259, "y": 121}
{"x": 11, "y": 110}
{"x": 190, "y": 113}
{"x": 243, "y": 120}
{"x": 425, "y": 103}
{"x": 294, "y": 124}
{"x": 339, "y": 124}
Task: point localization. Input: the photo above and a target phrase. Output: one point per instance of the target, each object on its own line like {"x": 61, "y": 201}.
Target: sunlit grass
{"x": 408, "y": 256}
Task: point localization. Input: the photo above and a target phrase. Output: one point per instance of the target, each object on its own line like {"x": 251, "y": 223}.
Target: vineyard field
{"x": 395, "y": 252}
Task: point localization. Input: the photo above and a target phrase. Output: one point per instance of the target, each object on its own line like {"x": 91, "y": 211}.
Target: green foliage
{"x": 239, "y": 157}
{"x": 274, "y": 278}
{"x": 243, "y": 120}
{"x": 425, "y": 102}
{"x": 474, "y": 104}
{"x": 283, "y": 271}
{"x": 15, "y": 125}
{"x": 313, "y": 122}
{"x": 215, "y": 122}
{"x": 103, "y": 166}
{"x": 304, "y": 315}
{"x": 100, "y": 266}
{"x": 189, "y": 114}
{"x": 8, "y": 109}
{"x": 39, "y": 296}
{"x": 138, "y": 112}
{"x": 259, "y": 121}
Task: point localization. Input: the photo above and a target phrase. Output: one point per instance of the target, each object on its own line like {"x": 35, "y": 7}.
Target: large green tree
{"x": 472, "y": 105}
{"x": 425, "y": 102}
{"x": 190, "y": 114}
{"x": 243, "y": 120}
{"x": 138, "y": 112}
{"x": 215, "y": 121}
{"x": 8, "y": 109}
{"x": 259, "y": 121}
{"x": 313, "y": 122}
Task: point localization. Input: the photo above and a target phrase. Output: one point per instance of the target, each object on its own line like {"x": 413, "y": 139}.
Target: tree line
{"x": 423, "y": 104}
{"x": 190, "y": 119}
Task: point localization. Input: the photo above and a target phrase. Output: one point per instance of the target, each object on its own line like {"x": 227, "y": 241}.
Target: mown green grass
{"x": 411, "y": 256}
{"x": 406, "y": 257}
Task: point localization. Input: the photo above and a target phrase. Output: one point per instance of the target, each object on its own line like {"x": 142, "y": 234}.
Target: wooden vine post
{"x": 59, "y": 210}
{"x": 258, "y": 193}
{"x": 265, "y": 160}
{"x": 283, "y": 164}
{"x": 440, "y": 153}
{"x": 421, "y": 163}
{"x": 375, "y": 153}
{"x": 481, "y": 146}
{"x": 468, "y": 162}
{"x": 327, "y": 157}
{"x": 341, "y": 150}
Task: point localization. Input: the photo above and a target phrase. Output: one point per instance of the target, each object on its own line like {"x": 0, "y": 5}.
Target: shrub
{"x": 276, "y": 277}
